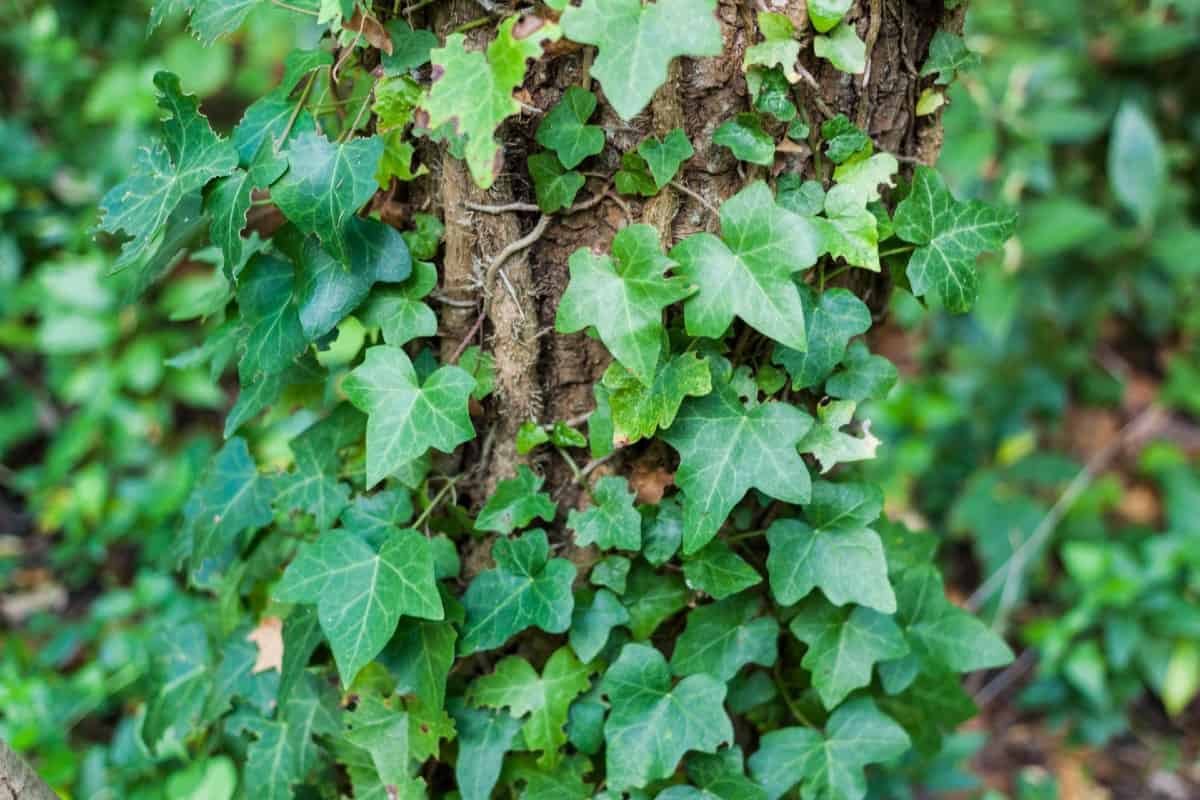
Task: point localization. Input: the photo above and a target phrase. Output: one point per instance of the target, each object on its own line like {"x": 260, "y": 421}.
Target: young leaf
{"x": 652, "y": 598}
{"x": 611, "y": 571}
{"x": 843, "y": 49}
{"x": 515, "y": 503}
{"x": 623, "y": 297}
{"x": 726, "y": 449}
{"x": 863, "y": 376}
{"x": 420, "y": 656}
{"x": 639, "y": 410}
{"x": 592, "y": 624}
{"x": 746, "y": 139}
{"x": 844, "y": 140}
{"x": 474, "y": 92}
{"x": 664, "y": 157}
{"x": 950, "y": 235}
{"x": 361, "y": 593}
{"x": 636, "y": 43}
{"x": 645, "y": 705}
{"x": 555, "y": 188}
{"x": 830, "y": 445}
{"x": 832, "y": 318}
{"x": 718, "y": 571}
{"x": 383, "y": 732}
{"x": 725, "y": 636}
{"x": 229, "y": 200}
{"x": 188, "y": 156}
{"x": 748, "y": 271}
{"x": 825, "y": 14}
{"x": 948, "y": 55}
{"x": 778, "y": 47}
{"x": 398, "y": 310}
{"x": 406, "y": 418}
{"x": 410, "y": 48}
{"x": 565, "y": 130}
{"x": 611, "y": 522}
{"x": 526, "y": 589}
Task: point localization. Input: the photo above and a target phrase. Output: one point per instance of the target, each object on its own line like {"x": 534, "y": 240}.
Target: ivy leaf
{"x": 843, "y": 49}
{"x": 778, "y": 48}
{"x": 844, "y": 140}
{"x": 188, "y": 157}
{"x": 623, "y": 297}
{"x": 313, "y": 485}
{"x": 515, "y": 503}
{"x": 483, "y": 739}
{"x": 652, "y": 598}
{"x": 830, "y": 445}
{"x": 662, "y": 531}
{"x": 726, "y": 449}
{"x": 361, "y": 593}
{"x": 212, "y": 19}
{"x": 383, "y": 732}
{"x": 275, "y": 338}
{"x": 844, "y": 644}
{"x": 832, "y": 318}
{"x": 399, "y": 312}
{"x": 725, "y": 636}
{"x": 645, "y": 705}
{"x": 718, "y": 571}
{"x": 849, "y": 230}
{"x": 181, "y": 662}
{"x": 474, "y": 92}
{"x": 229, "y": 200}
{"x": 272, "y": 761}
{"x": 546, "y": 699}
{"x": 940, "y": 630}
{"x": 773, "y": 95}
{"x": 555, "y": 188}
{"x": 1137, "y": 163}
{"x": 825, "y": 14}
{"x": 420, "y": 656}
{"x": 325, "y": 186}
{"x": 611, "y": 571}
{"x": 375, "y": 517}
{"x": 950, "y": 235}
{"x": 639, "y": 410}
{"x": 748, "y": 271}
{"x": 664, "y": 157}
{"x": 406, "y": 418}
{"x": 634, "y": 176}
{"x": 636, "y": 43}
{"x": 526, "y": 589}
{"x": 828, "y": 766}
{"x": 231, "y": 497}
{"x": 746, "y": 139}
{"x": 718, "y": 777}
{"x": 565, "y": 130}
{"x": 948, "y": 54}
{"x": 592, "y": 624}
{"x": 410, "y": 48}
{"x": 611, "y": 522}
{"x": 863, "y": 376}
{"x": 835, "y": 550}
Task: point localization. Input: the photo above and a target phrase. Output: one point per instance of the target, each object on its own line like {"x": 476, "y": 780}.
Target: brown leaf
{"x": 371, "y": 30}
{"x": 268, "y": 636}
{"x": 650, "y": 481}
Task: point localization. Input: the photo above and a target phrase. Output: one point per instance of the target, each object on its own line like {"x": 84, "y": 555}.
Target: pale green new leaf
{"x": 830, "y": 445}
{"x": 746, "y": 139}
{"x": 639, "y": 410}
{"x": 399, "y": 312}
{"x": 824, "y": 14}
{"x": 842, "y": 48}
{"x": 778, "y": 47}
{"x": 725, "y": 636}
{"x": 515, "y": 503}
{"x": 611, "y": 522}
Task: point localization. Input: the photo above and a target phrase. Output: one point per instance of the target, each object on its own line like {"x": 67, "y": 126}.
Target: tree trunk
{"x": 550, "y": 377}
{"x": 18, "y": 780}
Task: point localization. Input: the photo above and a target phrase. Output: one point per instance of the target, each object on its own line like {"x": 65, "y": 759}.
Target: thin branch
{"x": 512, "y": 249}
{"x": 466, "y": 340}
{"x": 297, "y": 9}
{"x": 695, "y": 196}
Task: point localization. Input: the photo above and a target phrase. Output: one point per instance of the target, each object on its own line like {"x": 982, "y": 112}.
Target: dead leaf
{"x": 650, "y": 481}
{"x": 371, "y": 30}
{"x": 268, "y": 636}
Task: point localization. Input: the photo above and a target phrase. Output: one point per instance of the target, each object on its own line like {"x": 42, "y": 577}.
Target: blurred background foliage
{"x": 1049, "y": 438}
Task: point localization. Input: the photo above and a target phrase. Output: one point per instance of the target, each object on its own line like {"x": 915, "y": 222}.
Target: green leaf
{"x": 835, "y": 550}
{"x": 375, "y": 517}
{"x": 212, "y": 19}
{"x": 844, "y": 644}
{"x": 383, "y": 732}
{"x": 399, "y": 312}
{"x": 664, "y": 157}
{"x": 778, "y": 47}
{"x": 272, "y": 761}
{"x": 773, "y": 95}
{"x": 275, "y": 338}
{"x": 941, "y": 631}
{"x": 832, "y": 318}
{"x": 361, "y": 593}
{"x": 726, "y": 449}
{"x": 483, "y": 739}
{"x": 623, "y": 297}
{"x": 950, "y": 235}
{"x": 515, "y": 503}
{"x": 636, "y": 43}
{"x": 843, "y": 49}
{"x": 325, "y": 186}
{"x": 474, "y": 92}
{"x": 645, "y": 705}
{"x": 850, "y": 231}
{"x": 555, "y": 188}
{"x": 420, "y": 656}
{"x": 639, "y": 410}
{"x": 948, "y": 55}
{"x": 529, "y": 436}
{"x": 229, "y": 200}
{"x": 830, "y": 445}
{"x": 231, "y": 497}
{"x": 825, "y": 14}
{"x": 863, "y": 376}
{"x": 828, "y": 766}
{"x": 563, "y": 435}
{"x": 313, "y": 486}
{"x": 651, "y": 598}
{"x": 748, "y": 271}
{"x": 406, "y": 418}
{"x": 746, "y": 139}
{"x": 806, "y": 198}
{"x": 844, "y": 140}
{"x": 725, "y": 636}
{"x": 516, "y": 685}
{"x": 1137, "y": 163}
{"x": 662, "y": 531}
{"x": 410, "y": 48}
{"x": 634, "y": 176}
{"x": 611, "y": 571}
{"x": 565, "y": 130}
{"x": 719, "y": 776}
{"x": 181, "y": 663}
{"x": 718, "y": 571}
{"x": 611, "y": 522}
{"x": 526, "y": 589}
{"x": 482, "y": 367}
{"x": 592, "y": 624}
{"x": 188, "y": 156}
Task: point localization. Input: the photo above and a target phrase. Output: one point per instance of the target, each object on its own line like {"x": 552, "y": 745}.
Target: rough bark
{"x": 18, "y": 780}
{"x": 550, "y": 377}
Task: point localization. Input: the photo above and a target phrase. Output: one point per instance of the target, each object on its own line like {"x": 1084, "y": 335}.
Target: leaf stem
{"x": 897, "y": 250}
{"x": 437, "y": 499}
{"x": 310, "y": 12}
{"x": 788, "y": 700}
{"x": 287, "y": 129}
{"x": 478, "y": 22}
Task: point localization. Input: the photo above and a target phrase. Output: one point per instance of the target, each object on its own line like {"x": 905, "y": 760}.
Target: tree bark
{"x": 18, "y": 780}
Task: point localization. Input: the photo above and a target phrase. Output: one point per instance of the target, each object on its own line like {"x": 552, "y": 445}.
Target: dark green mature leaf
{"x": 406, "y": 417}
{"x": 229, "y": 200}
{"x": 835, "y": 550}
{"x": 420, "y": 656}
{"x": 592, "y": 623}
{"x": 718, "y": 571}
{"x": 948, "y": 54}
{"x": 565, "y": 130}
{"x": 555, "y": 188}
{"x": 832, "y": 318}
{"x": 719, "y": 776}
{"x": 651, "y": 598}
{"x": 483, "y": 739}
{"x": 843, "y": 645}
{"x": 863, "y": 376}
{"x": 611, "y": 522}
{"x": 636, "y": 43}
{"x": 325, "y": 186}
{"x": 382, "y": 731}
{"x": 941, "y": 631}
{"x": 399, "y": 312}
{"x": 515, "y": 503}
{"x": 526, "y": 589}
{"x": 611, "y": 571}
{"x": 748, "y": 271}
{"x": 645, "y": 705}
{"x": 313, "y": 485}
{"x": 474, "y": 93}
{"x": 639, "y": 410}
{"x": 231, "y": 497}
{"x": 828, "y": 766}
{"x": 188, "y": 156}
{"x": 410, "y": 48}
{"x": 546, "y": 698}
{"x": 181, "y": 662}
{"x": 950, "y": 235}
{"x": 375, "y": 517}
{"x": 272, "y": 761}
{"x": 726, "y": 449}
{"x": 623, "y": 297}
{"x": 275, "y": 338}
{"x": 746, "y": 139}
{"x": 361, "y": 593}
{"x": 725, "y": 636}
{"x": 843, "y": 139}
